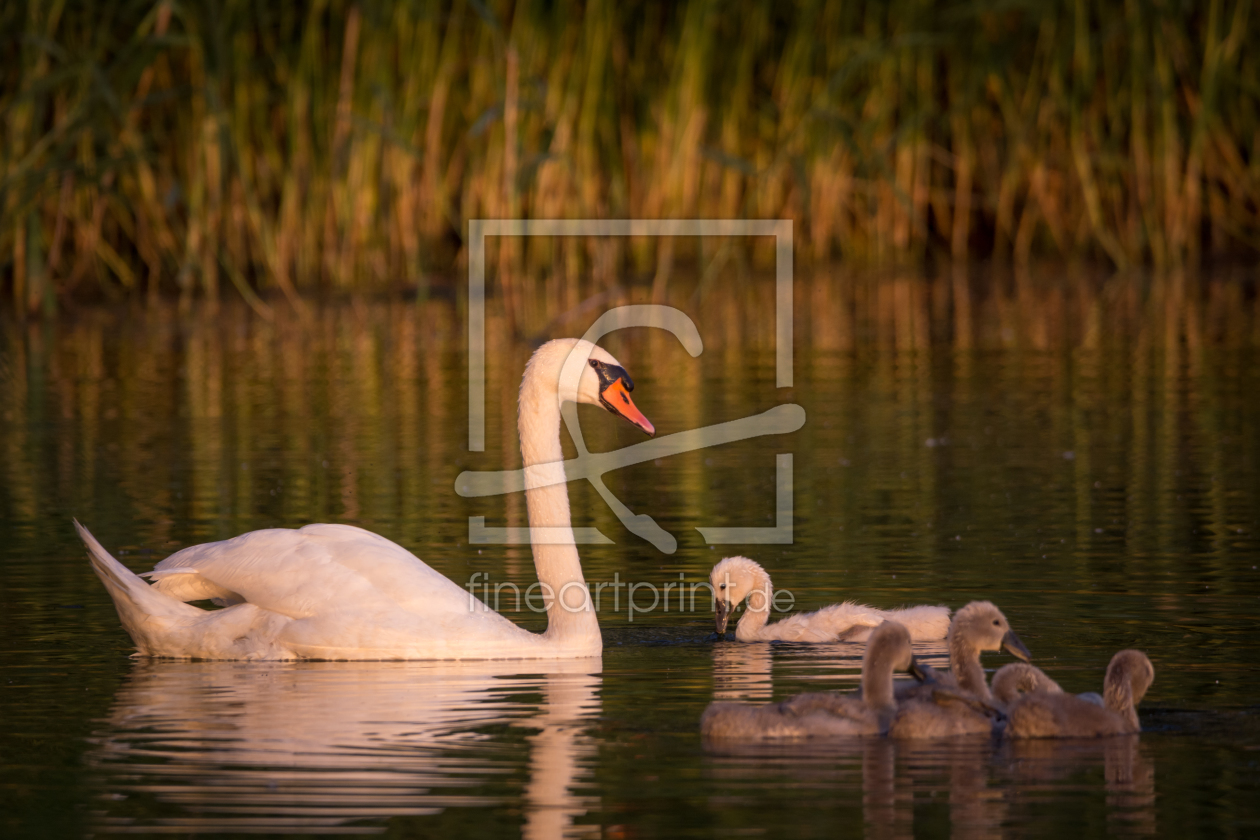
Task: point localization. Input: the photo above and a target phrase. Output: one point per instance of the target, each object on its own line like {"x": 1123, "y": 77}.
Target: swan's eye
{"x": 997, "y": 623}
{"x": 722, "y": 586}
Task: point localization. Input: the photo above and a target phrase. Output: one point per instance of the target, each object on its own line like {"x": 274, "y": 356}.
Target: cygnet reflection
{"x": 744, "y": 672}
{"x": 991, "y": 789}
{"x": 237, "y": 746}
{"x": 1128, "y": 774}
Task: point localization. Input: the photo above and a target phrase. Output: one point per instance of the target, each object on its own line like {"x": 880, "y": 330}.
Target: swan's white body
{"x": 735, "y": 579}
{"x": 340, "y": 592}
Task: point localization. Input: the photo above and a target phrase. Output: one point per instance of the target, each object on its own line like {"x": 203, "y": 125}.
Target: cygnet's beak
{"x": 616, "y": 398}
{"x": 720, "y": 617}
{"x": 1012, "y": 645}
{"x": 922, "y": 673}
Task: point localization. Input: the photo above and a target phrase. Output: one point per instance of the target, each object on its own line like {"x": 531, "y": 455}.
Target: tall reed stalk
{"x": 154, "y": 148}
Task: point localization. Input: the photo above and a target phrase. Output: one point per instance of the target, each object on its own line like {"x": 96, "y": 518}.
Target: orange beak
{"x": 618, "y": 401}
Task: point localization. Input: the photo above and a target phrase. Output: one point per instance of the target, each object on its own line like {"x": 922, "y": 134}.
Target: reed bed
{"x": 279, "y": 151}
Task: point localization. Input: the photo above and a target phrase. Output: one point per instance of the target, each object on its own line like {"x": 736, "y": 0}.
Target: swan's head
{"x": 587, "y": 373}
{"x": 981, "y": 626}
{"x": 890, "y": 642}
{"x": 578, "y": 372}
{"x": 1129, "y": 676}
{"x": 733, "y": 579}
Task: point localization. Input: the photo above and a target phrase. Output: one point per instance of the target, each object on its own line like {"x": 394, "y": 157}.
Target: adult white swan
{"x": 339, "y": 592}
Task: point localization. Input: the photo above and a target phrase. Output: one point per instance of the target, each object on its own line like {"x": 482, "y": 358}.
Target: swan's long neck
{"x": 877, "y": 678}
{"x": 757, "y": 610}
{"x": 570, "y": 617}
{"x": 964, "y": 661}
{"x": 1118, "y": 697}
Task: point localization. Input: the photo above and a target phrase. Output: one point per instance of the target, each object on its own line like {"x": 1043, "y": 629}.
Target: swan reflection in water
{"x": 331, "y": 747}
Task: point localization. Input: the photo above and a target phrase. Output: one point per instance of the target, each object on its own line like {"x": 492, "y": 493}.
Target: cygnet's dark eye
{"x": 722, "y": 586}
{"x": 997, "y": 623}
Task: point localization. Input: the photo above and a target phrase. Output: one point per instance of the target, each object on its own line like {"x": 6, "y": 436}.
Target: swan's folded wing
{"x": 950, "y": 697}
{"x": 803, "y": 716}
{"x": 925, "y": 622}
{"x": 826, "y": 702}
{"x": 794, "y": 628}
{"x": 840, "y": 620}
{"x": 312, "y": 571}
{"x": 1064, "y": 716}
{"x": 830, "y": 624}
{"x": 185, "y": 584}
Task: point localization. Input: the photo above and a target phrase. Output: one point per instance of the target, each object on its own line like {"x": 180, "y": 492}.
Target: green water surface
{"x": 1104, "y": 494}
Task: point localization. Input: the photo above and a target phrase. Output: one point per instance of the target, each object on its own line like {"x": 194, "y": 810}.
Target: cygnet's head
{"x": 1019, "y": 678}
{"x": 890, "y": 642}
{"x": 1131, "y": 673}
{"x": 733, "y": 579}
{"x": 587, "y": 373}
{"x": 981, "y": 626}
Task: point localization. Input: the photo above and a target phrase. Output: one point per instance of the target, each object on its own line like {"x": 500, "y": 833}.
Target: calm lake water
{"x": 1088, "y": 459}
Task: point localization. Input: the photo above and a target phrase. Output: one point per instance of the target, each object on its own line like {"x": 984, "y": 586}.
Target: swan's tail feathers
{"x": 144, "y": 611}
{"x": 925, "y": 623}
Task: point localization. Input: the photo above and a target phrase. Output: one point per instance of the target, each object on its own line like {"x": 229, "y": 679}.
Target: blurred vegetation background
{"x": 295, "y": 149}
